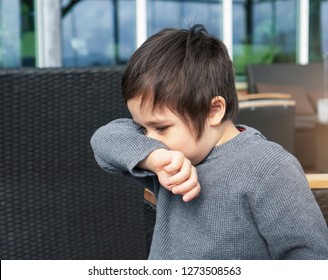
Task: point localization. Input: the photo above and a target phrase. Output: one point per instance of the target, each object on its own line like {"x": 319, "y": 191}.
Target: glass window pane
{"x": 17, "y": 33}
{"x": 97, "y": 32}
{"x": 261, "y": 35}
{"x": 127, "y": 29}
{"x": 318, "y": 41}
{"x": 183, "y": 14}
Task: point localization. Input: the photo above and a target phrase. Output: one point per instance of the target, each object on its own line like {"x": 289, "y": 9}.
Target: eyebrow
{"x": 153, "y": 123}
{"x": 156, "y": 123}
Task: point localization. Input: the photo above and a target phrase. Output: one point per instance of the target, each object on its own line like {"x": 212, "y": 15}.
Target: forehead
{"x": 144, "y": 114}
{"x": 138, "y": 105}
{"x": 144, "y": 111}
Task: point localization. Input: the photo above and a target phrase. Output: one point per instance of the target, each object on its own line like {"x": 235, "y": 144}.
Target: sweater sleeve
{"x": 120, "y": 145}
{"x": 288, "y": 216}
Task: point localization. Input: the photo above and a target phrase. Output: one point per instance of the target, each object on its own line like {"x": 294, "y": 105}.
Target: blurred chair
{"x": 272, "y": 115}
{"x": 306, "y": 85}
{"x": 56, "y": 203}
{"x": 309, "y": 76}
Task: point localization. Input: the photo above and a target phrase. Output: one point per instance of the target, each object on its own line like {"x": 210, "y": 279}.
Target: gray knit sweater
{"x": 255, "y": 202}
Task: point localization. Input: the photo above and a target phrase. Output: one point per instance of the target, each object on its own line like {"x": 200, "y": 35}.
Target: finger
{"x": 175, "y": 163}
{"x": 188, "y": 184}
{"x": 164, "y": 157}
{"x": 163, "y": 179}
{"x": 195, "y": 192}
{"x": 182, "y": 175}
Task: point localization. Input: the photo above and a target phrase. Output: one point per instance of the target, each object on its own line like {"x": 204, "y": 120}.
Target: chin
{"x": 196, "y": 161}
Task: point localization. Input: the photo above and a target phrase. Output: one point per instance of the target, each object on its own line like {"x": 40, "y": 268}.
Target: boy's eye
{"x": 161, "y": 128}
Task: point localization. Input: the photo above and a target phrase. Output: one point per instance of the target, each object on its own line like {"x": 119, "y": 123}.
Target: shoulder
{"x": 267, "y": 159}
{"x": 258, "y": 149}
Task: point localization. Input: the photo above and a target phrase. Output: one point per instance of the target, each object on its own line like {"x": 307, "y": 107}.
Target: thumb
{"x": 160, "y": 159}
{"x": 174, "y": 164}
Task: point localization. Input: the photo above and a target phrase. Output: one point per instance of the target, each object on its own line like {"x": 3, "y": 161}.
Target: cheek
{"x": 179, "y": 140}
{"x": 173, "y": 143}
{"x": 182, "y": 144}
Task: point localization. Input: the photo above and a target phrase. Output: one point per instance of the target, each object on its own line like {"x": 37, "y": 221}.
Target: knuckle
{"x": 193, "y": 181}
{"x": 184, "y": 174}
{"x": 175, "y": 166}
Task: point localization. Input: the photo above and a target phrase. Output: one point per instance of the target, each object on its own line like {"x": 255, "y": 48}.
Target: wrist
{"x": 152, "y": 161}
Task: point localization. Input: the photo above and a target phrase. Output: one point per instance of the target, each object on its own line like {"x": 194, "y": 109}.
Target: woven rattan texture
{"x": 56, "y": 203}
{"x": 321, "y": 196}
{"x": 150, "y": 220}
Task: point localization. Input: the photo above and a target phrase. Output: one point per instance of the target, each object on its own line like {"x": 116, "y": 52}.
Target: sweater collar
{"x": 236, "y": 142}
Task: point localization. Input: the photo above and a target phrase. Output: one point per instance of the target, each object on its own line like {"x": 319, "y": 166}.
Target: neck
{"x": 225, "y": 132}
{"x": 214, "y": 136}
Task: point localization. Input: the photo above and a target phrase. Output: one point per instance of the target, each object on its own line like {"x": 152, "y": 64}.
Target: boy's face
{"x": 166, "y": 127}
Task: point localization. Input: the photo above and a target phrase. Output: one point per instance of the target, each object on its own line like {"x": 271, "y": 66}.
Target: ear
{"x": 218, "y": 108}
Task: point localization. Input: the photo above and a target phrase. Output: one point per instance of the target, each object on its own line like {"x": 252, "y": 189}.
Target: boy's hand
{"x": 174, "y": 171}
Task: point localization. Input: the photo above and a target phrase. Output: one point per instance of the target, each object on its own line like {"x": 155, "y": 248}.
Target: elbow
{"x": 96, "y": 140}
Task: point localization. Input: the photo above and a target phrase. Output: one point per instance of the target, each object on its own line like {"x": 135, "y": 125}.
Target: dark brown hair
{"x": 182, "y": 70}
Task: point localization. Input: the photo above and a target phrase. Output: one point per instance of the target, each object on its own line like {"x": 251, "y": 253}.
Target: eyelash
{"x": 161, "y": 128}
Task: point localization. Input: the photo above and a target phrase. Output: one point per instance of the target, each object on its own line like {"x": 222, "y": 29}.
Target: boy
{"x": 223, "y": 191}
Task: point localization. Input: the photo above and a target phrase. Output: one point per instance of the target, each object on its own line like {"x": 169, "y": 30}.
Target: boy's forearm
{"x": 149, "y": 163}
{"x": 120, "y": 145}
{"x": 174, "y": 172}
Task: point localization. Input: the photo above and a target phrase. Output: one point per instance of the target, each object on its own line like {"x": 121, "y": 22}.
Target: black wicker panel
{"x": 56, "y": 203}
{"x": 150, "y": 220}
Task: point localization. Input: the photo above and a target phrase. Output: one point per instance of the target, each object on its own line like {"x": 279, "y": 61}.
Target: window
{"x": 103, "y": 32}
{"x": 17, "y": 33}
{"x": 97, "y": 32}
{"x": 318, "y": 37}
{"x": 264, "y": 32}
{"x": 183, "y": 14}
